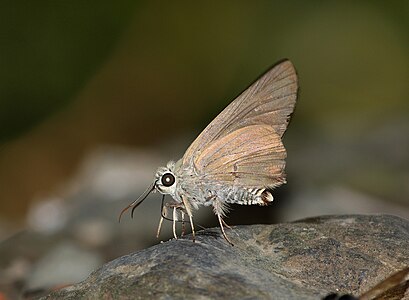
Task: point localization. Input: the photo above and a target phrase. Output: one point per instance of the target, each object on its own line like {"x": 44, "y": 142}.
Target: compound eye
{"x": 168, "y": 179}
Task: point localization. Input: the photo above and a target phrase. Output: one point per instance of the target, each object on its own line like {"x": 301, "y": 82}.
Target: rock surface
{"x": 306, "y": 259}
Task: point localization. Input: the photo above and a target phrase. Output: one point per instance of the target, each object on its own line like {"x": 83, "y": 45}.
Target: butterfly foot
{"x": 225, "y": 224}
{"x": 221, "y": 222}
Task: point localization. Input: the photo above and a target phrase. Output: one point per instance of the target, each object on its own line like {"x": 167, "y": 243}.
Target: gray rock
{"x": 306, "y": 259}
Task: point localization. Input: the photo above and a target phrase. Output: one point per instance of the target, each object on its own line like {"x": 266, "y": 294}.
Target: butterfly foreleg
{"x": 175, "y": 218}
{"x": 177, "y": 207}
{"x": 189, "y": 213}
{"x": 162, "y": 217}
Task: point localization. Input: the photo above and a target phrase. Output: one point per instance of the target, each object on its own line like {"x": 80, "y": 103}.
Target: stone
{"x": 67, "y": 263}
{"x": 306, "y": 259}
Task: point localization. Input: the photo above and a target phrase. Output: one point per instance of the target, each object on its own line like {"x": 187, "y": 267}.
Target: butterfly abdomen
{"x": 249, "y": 196}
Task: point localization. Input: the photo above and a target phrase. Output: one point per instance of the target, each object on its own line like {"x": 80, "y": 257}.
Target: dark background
{"x": 89, "y": 88}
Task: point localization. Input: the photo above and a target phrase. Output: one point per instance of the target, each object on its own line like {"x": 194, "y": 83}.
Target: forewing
{"x": 250, "y": 156}
{"x": 268, "y": 101}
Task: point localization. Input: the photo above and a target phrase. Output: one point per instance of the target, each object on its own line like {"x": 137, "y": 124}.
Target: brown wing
{"x": 268, "y": 101}
{"x": 250, "y": 156}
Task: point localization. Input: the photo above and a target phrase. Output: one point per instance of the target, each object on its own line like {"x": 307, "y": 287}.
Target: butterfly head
{"x": 165, "y": 183}
{"x": 166, "y": 180}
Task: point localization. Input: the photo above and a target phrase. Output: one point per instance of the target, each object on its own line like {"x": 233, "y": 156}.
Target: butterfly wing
{"x": 242, "y": 145}
{"x": 252, "y": 156}
{"x": 268, "y": 101}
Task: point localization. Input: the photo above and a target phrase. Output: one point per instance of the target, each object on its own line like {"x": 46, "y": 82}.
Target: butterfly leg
{"x": 219, "y": 209}
{"x": 182, "y": 213}
{"x": 162, "y": 217}
{"x": 175, "y": 218}
{"x": 189, "y": 213}
{"x": 193, "y": 228}
{"x": 222, "y": 229}
{"x": 225, "y": 224}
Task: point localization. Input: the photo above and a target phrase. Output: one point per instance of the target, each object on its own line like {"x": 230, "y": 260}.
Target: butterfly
{"x": 238, "y": 158}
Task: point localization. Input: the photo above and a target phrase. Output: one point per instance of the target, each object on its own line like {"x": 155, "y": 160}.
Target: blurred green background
{"x": 78, "y": 74}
